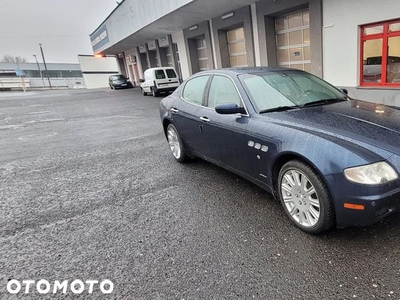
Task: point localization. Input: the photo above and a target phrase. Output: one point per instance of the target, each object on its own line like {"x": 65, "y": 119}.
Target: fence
{"x": 17, "y": 83}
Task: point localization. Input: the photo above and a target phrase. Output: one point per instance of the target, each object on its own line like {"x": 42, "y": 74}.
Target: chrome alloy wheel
{"x": 300, "y": 198}
{"x": 174, "y": 142}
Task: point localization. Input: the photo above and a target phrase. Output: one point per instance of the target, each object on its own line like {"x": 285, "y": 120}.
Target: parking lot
{"x": 90, "y": 190}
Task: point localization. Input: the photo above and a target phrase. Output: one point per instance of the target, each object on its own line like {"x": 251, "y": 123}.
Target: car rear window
{"x": 171, "y": 73}
{"x": 160, "y": 74}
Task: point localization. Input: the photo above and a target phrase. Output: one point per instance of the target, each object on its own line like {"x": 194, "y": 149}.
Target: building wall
{"x": 341, "y": 43}
{"x": 201, "y": 30}
{"x": 241, "y": 18}
{"x": 334, "y": 35}
{"x": 131, "y": 16}
{"x": 269, "y": 9}
{"x": 179, "y": 39}
{"x": 97, "y": 70}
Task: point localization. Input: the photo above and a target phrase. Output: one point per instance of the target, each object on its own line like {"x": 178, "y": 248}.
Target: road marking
{"x": 39, "y": 112}
{"x": 118, "y": 116}
{"x": 36, "y": 136}
{"x": 50, "y": 120}
{"x": 11, "y": 127}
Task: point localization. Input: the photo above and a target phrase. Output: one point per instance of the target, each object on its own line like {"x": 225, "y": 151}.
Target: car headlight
{"x": 373, "y": 174}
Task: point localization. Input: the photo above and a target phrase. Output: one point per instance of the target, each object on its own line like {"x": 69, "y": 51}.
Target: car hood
{"x": 360, "y": 122}
{"x": 120, "y": 81}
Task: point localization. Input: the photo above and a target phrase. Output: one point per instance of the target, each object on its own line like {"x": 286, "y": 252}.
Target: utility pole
{"x": 21, "y": 75}
{"x": 45, "y": 66}
{"x": 40, "y": 71}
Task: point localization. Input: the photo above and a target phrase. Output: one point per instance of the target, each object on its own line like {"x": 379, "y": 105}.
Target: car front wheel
{"x": 305, "y": 197}
{"x": 175, "y": 144}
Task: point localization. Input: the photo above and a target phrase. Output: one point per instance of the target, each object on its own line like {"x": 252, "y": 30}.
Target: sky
{"x": 61, "y": 26}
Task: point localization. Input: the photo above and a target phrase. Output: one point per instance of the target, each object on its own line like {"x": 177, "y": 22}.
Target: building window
{"x": 293, "y": 40}
{"x": 380, "y": 54}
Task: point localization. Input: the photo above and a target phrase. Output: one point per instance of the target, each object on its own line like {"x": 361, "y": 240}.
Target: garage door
{"x": 201, "y": 47}
{"x": 237, "y": 47}
{"x": 293, "y": 40}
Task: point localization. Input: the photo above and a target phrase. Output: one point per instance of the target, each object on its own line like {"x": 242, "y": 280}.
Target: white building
{"x": 35, "y": 75}
{"x": 351, "y": 43}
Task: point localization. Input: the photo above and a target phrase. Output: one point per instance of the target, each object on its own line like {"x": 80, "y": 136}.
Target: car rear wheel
{"x": 305, "y": 197}
{"x": 175, "y": 143}
{"x": 143, "y": 92}
{"x": 154, "y": 92}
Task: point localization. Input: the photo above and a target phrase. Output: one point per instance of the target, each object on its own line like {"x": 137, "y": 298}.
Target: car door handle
{"x": 205, "y": 119}
{"x": 173, "y": 109}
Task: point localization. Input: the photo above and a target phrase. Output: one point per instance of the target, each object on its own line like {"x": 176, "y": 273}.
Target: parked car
{"x": 329, "y": 159}
{"x": 373, "y": 68}
{"x": 159, "y": 80}
{"x": 119, "y": 81}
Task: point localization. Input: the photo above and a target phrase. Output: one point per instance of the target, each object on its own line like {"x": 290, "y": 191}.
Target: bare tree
{"x": 14, "y": 59}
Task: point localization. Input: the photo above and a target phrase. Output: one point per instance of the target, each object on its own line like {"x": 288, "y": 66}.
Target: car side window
{"x": 160, "y": 74}
{"x": 223, "y": 90}
{"x": 194, "y": 89}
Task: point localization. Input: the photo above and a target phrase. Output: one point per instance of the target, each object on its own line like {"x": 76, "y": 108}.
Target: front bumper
{"x": 378, "y": 201}
{"x": 127, "y": 85}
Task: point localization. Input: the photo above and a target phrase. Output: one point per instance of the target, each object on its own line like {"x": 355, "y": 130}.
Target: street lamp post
{"x": 40, "y": 71}
{"x": 45, "y": 66}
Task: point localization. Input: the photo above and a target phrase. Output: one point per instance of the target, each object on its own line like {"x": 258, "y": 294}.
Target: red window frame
{"x": 385, "y": 35}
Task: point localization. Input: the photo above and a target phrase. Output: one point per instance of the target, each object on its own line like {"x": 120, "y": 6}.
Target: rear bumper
{"x": 166, "y": 89}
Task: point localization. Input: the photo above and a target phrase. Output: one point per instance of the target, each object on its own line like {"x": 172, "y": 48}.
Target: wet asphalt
{"x": 90, "y": 190}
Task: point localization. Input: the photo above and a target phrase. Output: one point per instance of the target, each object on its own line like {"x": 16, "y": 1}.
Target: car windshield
{"x": 118, "y": 77}
{"x": 275, "y": 90}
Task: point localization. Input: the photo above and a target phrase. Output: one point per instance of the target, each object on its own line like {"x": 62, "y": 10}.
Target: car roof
{"x": 160, "y": 68}
{"x": 246, "y": 70}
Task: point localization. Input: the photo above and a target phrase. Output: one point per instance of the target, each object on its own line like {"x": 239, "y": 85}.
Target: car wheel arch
{"x": 166, "y": 122}
{"x": 281, "y": 160}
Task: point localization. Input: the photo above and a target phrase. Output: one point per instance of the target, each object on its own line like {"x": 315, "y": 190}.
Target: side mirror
{"x": 345, "y": 91}
{"x": 229, "y": 109}
{"x": 141, "y": 80}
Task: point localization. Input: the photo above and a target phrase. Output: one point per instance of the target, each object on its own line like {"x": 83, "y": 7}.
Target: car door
{"x": 160, "y": 78}
{"x": 168, "y": 81}
{"x": 186, "y": 111}
{"x": 225, "y": 135}
{"x": 148, "y": 80}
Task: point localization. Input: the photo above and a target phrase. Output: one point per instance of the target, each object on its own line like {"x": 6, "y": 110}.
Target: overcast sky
{"x": 61, "y": 26}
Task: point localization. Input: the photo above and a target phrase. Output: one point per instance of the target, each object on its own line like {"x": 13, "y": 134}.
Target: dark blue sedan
{"x": 329, "y": 159}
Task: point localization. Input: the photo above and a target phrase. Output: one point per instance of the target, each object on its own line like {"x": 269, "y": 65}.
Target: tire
{"x": 143, "y": 92}
{"x": 305, "y": 197}
{"x": 154, "y": 93}
{"x": 175, "y": 144}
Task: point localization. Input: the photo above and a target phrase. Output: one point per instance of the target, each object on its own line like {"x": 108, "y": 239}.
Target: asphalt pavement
{"x": 90, "y": 191}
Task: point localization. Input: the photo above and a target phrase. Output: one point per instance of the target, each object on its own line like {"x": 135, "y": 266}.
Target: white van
{"x": 158, "y": 80}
